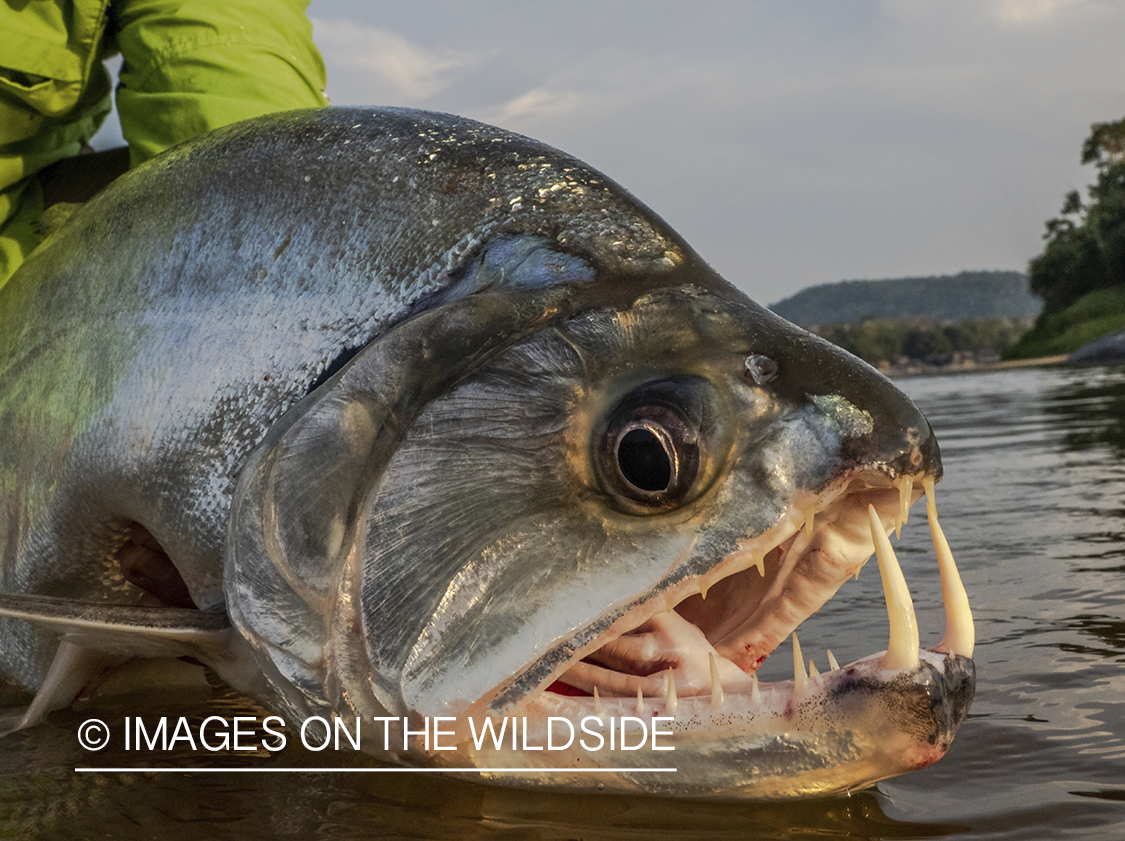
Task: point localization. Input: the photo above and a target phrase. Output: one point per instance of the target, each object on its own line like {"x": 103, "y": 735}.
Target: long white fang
{"x": 810, "y": 518}
{"x": 800, "y": 678}
{"x": 905, "y": 491}
{"x": 812, "y": 669}
{"x": 755, "y": 692}
{"x": 832, "y": 664}
{"x": 670, "y": 699}
{"x": 717, "y": 697}
{"x": 902, "y": 650}
{"x": 960, "y": 633}
{"x": 760, "y": 563}
{"x": 598, "y": 708}
{"x": 640, "y": 702}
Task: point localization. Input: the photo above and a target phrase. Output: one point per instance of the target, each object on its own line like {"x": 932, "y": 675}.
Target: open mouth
{"x": 712, "y": 640}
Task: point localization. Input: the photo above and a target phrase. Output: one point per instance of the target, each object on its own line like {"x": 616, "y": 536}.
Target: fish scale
{"x": 209, "y": 286}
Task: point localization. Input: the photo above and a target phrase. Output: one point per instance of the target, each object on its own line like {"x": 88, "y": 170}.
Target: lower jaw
{"x": 844, "y": 730}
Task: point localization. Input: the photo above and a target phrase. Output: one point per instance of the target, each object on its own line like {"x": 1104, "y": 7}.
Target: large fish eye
{"x": 653, "y": 451}
{"x": 656, "y": 453}
{"x": 646, "y": 458}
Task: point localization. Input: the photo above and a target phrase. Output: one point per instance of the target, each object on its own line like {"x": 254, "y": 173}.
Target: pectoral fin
{"x": 97, "y": 636}
{"x": 129, "y": 630}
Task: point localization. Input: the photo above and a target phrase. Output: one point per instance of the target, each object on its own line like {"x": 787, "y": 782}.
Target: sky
{"x": 791, "y": 142}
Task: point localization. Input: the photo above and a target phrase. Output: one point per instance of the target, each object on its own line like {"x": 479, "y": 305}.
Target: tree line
{"x": 1085, "y": 248}
{"x": 960, "y": 297}
{"x": 1081, "y": 273}
{"x": 885, "y": 342}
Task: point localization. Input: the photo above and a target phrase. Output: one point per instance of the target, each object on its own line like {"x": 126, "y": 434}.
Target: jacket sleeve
{"x": 195, "y": 65}
{"x": 54, "y": 93}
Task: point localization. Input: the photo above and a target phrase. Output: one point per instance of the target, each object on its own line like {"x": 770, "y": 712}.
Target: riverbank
{"x": 1094, "y": 315}
{"x": 915, "y": 368}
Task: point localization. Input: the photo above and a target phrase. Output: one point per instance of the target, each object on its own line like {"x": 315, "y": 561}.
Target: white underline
{"x": 377, "y": 770}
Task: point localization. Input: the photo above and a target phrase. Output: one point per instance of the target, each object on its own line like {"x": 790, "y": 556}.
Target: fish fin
{"x": 123, "y": 629}
{"x": 71, "y": 670}
{"x": 98, "y": 636}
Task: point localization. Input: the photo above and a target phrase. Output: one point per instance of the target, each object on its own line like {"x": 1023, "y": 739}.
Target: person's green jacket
{"x": 188, "y": 66}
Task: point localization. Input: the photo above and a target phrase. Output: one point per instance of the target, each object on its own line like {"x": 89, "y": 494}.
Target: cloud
{"x": 536, "y": 104}
{"x": 385, "y": 60}
{"x": 1025, "y": 12}
{"x": 790, "y": 143}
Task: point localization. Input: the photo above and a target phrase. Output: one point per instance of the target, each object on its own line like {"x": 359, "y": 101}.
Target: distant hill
{"x": 956, "y": 298}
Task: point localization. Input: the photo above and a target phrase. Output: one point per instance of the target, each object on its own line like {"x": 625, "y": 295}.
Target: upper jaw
{"x": 713, "y": 632}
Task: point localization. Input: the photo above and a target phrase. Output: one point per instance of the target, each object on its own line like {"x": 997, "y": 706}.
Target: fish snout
{"x": 877, "y": 425}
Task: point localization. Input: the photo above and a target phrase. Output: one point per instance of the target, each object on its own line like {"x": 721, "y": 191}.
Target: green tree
{"x": 1070, "y": 266}
{"x": 1105, "y": 146}
{"x": 1106, "y": 220}
{"x": 1085, "y": 248}
{"x": 926, "y": 342}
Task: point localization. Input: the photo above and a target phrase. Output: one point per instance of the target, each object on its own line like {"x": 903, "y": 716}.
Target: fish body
{"x": 447, "y": 424}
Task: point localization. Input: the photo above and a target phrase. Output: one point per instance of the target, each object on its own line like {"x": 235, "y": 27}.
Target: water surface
{"x": 1033, "y": 504}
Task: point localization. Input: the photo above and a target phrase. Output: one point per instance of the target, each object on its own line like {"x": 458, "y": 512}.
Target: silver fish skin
{"x": 449, "y": 424}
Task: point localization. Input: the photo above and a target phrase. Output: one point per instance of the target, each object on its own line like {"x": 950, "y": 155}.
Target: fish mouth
{"x": 707, "y": 638}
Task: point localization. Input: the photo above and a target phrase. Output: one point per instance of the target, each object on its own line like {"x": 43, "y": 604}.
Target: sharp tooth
{"x": 598, "y": 709}
{"x": 960, "y": 634}
{"x": 810, "y": 518}
{"x": 812, "y": 669}
{"x": 800, "y": 679}
{"x": 760, "y": 563}
{"x": 670, "y": 700}
{"x": 716, "y": 684}
{"x": 905, "y": 491}
{"x": 640, "y": 702}
{"x": 832, "y": 664}
{"x": 902, "y": 650}
{"x": 703, "y": 588}
{"x": 755, "y": 692}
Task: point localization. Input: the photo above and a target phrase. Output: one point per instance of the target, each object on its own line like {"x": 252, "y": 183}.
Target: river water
{"x": 1034, "y": 506}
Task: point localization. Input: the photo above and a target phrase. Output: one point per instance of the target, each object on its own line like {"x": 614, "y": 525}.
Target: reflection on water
{"x": 1035, "y": 492}
{"x": 1092, "y": 412}
{"x": 1034, "y": 506}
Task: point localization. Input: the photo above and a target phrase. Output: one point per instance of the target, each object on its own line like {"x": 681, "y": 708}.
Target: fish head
{"x": 586, "y": 500}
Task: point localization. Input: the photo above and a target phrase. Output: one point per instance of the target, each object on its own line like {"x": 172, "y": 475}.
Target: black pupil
{"x": 643, "y": 460}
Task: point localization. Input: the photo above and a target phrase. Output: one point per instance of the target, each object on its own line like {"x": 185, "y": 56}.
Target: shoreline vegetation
{"x": 921, "y": 369}
{"x": 920, "y": 345}
{"x": 1091, "y": 317}
{"x": 1081, "y": 273}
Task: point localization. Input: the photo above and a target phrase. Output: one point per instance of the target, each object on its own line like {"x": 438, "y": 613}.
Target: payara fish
{"x": 393, "y": 416}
